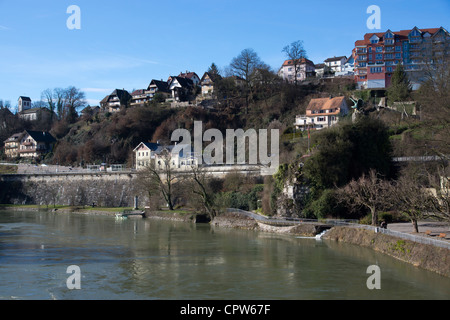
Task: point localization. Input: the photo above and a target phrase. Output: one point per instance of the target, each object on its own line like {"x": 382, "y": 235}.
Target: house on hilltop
{"x": 191, "y": 76}
{"x": 305, "y": 69}
{"x": 322, "y": 113}
{"x": 118, "y": 99}
{"x": 24, "y": 103}
{"x": 182, "y": 89}
{"x": 139, "y": 97}
{"x": 208, "y": 82}
{"x": 336, "y": 64}
{"x": 158, "y": 86}
{"x": 34, "y": 114}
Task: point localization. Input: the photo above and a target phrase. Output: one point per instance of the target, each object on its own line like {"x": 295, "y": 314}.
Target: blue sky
{"x": 126, "y": 44}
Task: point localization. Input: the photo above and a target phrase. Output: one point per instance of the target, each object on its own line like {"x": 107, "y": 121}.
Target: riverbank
{"x": 421, "y": 255}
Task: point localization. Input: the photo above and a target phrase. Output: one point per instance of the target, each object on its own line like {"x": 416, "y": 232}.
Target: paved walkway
{"x": 434, "y": 228}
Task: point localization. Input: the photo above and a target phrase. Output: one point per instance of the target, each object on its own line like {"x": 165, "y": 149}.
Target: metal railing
{"x": 290, "y": 221}
{"x": 405, "y": 236}
{"x": 343, "y": 222}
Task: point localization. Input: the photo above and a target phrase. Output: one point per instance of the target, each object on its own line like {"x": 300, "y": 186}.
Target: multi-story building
{"x": 12, "y": 145}
{"x": 335, "y": 64}
{"x": 34, "y": 144}
{"x": 378, "y": 54}
{"x": 305, "y": 69}
{"x": 116, "y": 100}
{"x": 322, "y": 113}
{"x": 139, "y": 97}
{"x": 155, "y": 155}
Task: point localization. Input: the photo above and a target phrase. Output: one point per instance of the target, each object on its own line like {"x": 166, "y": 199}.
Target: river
{"x": 153, "y": 259}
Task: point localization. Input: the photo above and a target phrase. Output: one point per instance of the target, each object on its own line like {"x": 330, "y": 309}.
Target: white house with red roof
{"x": 305, "y": 69}
{"x": 322, "y": 113}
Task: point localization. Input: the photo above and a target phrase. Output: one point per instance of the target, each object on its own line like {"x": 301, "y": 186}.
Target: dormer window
{"x": 415, "y": 33}
{"x": 374, "y": 39}
{"x": 388, "y": 35}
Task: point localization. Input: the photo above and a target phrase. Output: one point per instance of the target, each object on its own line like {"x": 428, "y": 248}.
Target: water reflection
{"x": 151, "y": 259}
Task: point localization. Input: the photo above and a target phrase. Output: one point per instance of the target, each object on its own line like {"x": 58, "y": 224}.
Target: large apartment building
{"x": 378, "y": 54}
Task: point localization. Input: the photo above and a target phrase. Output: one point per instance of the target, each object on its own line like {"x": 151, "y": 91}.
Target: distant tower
{"x": 24, "y": 103}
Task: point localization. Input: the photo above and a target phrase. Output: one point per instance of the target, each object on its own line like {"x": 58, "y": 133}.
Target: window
{"x": 389, "y": 41}
{"x": 370, "y": 49}
{"x": 374, "y": 41}
{"x": 376, "y": 70}
{"x": 379, "y": 49}
{"x": 398, "y": 55}
{"x": 388, "y": 69}
{"x": 378, "y": 56}
{"x": 398, "y": 48}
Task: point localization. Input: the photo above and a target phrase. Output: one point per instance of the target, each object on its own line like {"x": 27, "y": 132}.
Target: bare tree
{"x": 199, "y": 182}
{"x": 58, "y": 96}
{"x": 160, "y": 177}
{"x": 368, "y": 191}
{"x": 295, "y": 52}
{"x": 244, "y": 66}
{"x": 245, "y": 63}
{"x": 412, "y": 199}
{"x": 47, "y": 95}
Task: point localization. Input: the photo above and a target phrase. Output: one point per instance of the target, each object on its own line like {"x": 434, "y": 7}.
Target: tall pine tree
{"x": 400, "y": 88}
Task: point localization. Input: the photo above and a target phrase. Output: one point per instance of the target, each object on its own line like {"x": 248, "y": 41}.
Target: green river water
{"x": 153, "y": 259}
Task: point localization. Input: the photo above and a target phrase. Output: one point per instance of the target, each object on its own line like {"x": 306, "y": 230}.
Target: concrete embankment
{"x": 421, "y": 255}
{"x": 236, "y": 220}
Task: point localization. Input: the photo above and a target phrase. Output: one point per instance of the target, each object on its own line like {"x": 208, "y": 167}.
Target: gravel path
{"x": 434, "y": 228}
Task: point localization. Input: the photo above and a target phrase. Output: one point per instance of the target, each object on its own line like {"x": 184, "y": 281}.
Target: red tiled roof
{"x": 302, "y": 61}
{"x": 188, "y": 75}
{"x": 325, "y": 103}
{"x": 138, "y": 92}
{"x": 401, "y": 34}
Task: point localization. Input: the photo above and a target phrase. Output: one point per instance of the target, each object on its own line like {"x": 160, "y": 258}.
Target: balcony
{"x": 28, "y": 150}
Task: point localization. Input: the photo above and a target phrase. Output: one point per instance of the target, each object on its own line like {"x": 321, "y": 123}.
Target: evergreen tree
{"x": 213, "y": 70}
{"x": 400, "y": 88}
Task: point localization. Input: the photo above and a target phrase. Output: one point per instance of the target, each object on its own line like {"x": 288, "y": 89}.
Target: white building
{"x": 24, "y": 103}
{"x": 155, "y": 155}
{"x": 322, "y": 113}
{"x": 336, "y": 64}
{"x": 305, "y": 69}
